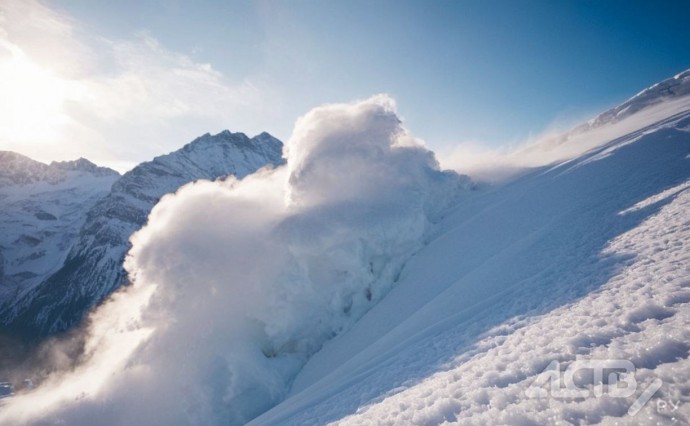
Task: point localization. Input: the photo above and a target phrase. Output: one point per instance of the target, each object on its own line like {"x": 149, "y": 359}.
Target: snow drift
{"x": 236, "y": 283}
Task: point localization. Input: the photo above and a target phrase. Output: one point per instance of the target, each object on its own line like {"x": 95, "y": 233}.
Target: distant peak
{"x": 228, "y": 133}
{"x": 83, "y": 165}
{"x": 19, "y": 169}
{"x": 14, "y": 156}
{"x": 79, "y": 163}
{"x": 683, "y": 75}
{"x": 672, "y": 88}
{"x": 223, "y": 144}
{"x": 222, "y": 136}
{"x": 264, "y": 135}
{"x": 228, "y": 137}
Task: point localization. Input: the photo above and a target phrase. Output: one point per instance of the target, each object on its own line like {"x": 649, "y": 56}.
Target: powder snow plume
{"x": 236, "y": 283}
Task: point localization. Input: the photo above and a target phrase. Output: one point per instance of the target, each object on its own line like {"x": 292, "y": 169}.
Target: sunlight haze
{"x": 122, "y": 82}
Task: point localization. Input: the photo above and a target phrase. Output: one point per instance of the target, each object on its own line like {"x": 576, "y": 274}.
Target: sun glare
{"x": 32, "y": 99}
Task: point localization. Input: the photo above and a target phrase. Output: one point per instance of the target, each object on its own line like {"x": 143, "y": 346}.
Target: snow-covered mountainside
{"x": 42, "y": 208}
{"x": 585, "y": 261}
{"x": 93, "y": 268}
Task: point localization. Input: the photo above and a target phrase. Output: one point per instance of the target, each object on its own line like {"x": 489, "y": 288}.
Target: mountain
{"x": 93, "y": 268}
{"x": 19, "y": 170}
{"x": 652, "y": 105}
{"x": 674, "y": 88}
{"x": 42, "y": 208}
{"x": 584, "y": 260}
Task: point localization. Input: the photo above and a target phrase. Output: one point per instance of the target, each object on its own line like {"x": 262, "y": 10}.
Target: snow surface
{"x": 639, "y": 313}
{"x": 360, "y": 284}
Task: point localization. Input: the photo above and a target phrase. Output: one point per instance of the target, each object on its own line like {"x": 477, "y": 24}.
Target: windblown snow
{"x": 361, "y": 284}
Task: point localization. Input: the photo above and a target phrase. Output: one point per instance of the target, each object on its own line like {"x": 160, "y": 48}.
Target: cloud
{"x": 66, "y": 93}
{"x": 237, "y": 283}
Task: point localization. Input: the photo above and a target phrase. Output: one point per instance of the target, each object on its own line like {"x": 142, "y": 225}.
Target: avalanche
{"x": 237, "y": 283}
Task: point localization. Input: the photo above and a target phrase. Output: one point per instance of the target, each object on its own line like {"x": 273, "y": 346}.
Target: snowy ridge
{"x": 93, "y": 268}
{"x": 671, "y": 88}
{"x": 83, "y": 165}
{"x": 17, "y": 169}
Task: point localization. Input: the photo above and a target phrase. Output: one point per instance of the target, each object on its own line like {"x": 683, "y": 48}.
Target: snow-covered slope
{"x": 93, "y": 268}
{"x": 42, "y": 208}
{"x": 585, "y": 260}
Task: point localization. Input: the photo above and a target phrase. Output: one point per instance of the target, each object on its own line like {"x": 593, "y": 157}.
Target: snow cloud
{"x": 236, "y": 283}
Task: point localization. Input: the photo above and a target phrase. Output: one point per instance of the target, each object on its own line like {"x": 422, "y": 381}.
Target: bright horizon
{"x": 120, "y": 83}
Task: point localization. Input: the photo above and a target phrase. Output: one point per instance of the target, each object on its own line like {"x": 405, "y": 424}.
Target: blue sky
{"x": 490, "y": 72}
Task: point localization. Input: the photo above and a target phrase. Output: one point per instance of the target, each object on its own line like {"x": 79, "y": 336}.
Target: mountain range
{"x": 82, "y": 217}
